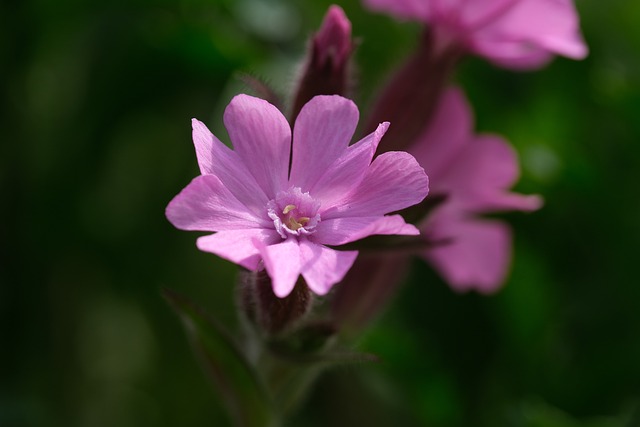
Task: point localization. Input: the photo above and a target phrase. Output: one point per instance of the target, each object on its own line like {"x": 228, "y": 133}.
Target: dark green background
{"x": 96, "y": 99}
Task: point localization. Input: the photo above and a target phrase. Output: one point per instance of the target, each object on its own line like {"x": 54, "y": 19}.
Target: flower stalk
{"x": 410, "y": 97}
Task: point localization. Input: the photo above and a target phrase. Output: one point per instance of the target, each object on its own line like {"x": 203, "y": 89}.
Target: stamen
{"x": 289, "y": 208}
{"x": 294, "y": 213}
{"x": 294, "y": 225}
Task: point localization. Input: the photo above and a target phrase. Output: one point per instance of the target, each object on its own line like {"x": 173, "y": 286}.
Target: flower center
{"x": 294, "y": 213}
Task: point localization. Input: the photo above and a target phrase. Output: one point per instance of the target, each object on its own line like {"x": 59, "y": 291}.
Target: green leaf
{"x": 231, "y": 373}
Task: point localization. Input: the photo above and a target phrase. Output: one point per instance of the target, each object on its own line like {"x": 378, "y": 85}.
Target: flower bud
{"x": 326, "y": 70}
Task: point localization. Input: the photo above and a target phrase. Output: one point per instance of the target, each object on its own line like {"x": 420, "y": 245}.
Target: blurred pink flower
{"x": 266, "y": 213}
{"x": 474, "y": 173}
{"x": 511, "y": 33}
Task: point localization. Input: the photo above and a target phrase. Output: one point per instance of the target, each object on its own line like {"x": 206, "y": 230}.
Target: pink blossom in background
{"x": 266, "y": 213}
{"x": 475, "y": 173}
{"x": 510, "y": 33}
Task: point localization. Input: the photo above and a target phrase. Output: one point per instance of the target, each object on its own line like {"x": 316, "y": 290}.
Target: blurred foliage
{"x": 96, "y": 99}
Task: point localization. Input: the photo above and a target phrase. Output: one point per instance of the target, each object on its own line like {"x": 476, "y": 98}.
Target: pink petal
{"x": 348, "y": 170}
{"x": 393, "y": 182}
{"x": 262, "y": 139}
{"x": 551, "y": 25}
{"x": 474, "y": 171}
{"x": 481, "y": 176}
{"x": 283, "y": 263}
{"x": 323, "y": 267}
{"x": 518, "y": 56}
{"x": 477, "y": 14}
{"x": 215, "y": 158}
{"x": 478, "y": 256}
{"x": 321, "y": 135}
{"x": 446, "y": 136}
{"x": 207, "y": 205}
{"x": 239, "y": 246}
{"x": 338, "y": 231}
{"x": 403, "y": 9}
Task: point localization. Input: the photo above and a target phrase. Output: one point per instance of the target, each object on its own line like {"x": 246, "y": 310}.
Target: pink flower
{"x": 266, "y": 213}
{"x": 511, "y": 33}
{"x": 474, "y": 173}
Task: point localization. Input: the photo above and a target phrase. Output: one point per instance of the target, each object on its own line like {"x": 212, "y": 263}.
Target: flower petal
{"x": 403, "y": 9}
{"x": 552, "y": 23}
{"x": 338, "y": 231}
{"x": 519, "y": 56}
{"x": 239, "y": 246}
{"x": 348, "y": 170}
{"x": 283, "y": 264}
{"x": 207, "y": 205}
{"x": 393, "y": 182}
{"x": 321, "y": 135}
{"x": 481, "y": 176}
{"x": 477, "y": 14}
{"x": 447, "y": 134}
{"x": 262, "y": 138}
{"x": 528, "y": 27}
{"x": 478, "y": 255}
{"x": 514, "y": 33}
{"x": 215, "y": 158}
{"x": 323, "y": 267}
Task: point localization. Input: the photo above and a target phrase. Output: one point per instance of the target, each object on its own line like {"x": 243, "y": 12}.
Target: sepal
{"x": 269, "y": 314}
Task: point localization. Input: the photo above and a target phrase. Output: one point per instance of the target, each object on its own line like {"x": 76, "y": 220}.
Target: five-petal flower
{"x": 474, "y": 173}
{"x": 511, "y": 33}
{"x": 282, "y": 205}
